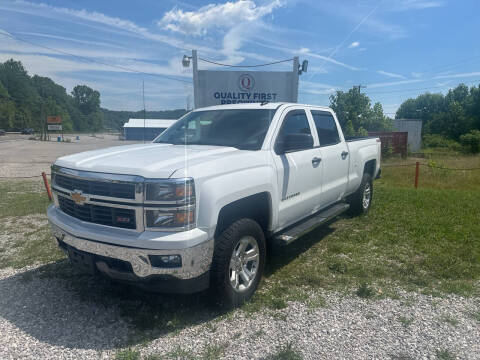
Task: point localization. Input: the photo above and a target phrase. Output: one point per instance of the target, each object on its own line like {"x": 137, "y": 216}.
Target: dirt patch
{"x": 23, "y": 157}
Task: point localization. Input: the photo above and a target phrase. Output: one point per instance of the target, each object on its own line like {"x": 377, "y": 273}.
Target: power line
{"x": 94, "y": 60}
{"x": 245, "y": 66}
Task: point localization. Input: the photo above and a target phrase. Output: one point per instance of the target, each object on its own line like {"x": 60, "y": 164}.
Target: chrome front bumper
{"x": 195, "y": 248}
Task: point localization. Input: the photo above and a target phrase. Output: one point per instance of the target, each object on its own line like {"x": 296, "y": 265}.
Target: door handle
{"x": 344, "y": 154}
{"x": 316, "y": 161}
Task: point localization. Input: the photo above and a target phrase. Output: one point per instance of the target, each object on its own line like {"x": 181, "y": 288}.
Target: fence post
{"x": 417, "y": 171}
{"x": 45, "y": 181}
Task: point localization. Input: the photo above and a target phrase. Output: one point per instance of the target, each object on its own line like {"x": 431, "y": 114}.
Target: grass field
{"x": 424, "y": 240}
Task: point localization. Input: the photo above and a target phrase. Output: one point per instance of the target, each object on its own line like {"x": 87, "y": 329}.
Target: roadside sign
{"x": 213, "y": 87}
{"x": 54, "y": 120}
{"x": 235, "y": 87}
{"x": 54, "y": 127}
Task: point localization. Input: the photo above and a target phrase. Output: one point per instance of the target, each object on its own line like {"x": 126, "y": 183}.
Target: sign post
{"x": 54, "y": 123}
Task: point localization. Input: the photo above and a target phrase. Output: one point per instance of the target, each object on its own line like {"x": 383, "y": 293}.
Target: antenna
{"x": 144, "y": 115}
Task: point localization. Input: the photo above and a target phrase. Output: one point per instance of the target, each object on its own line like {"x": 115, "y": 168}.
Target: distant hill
{"x": 26, "y": 100}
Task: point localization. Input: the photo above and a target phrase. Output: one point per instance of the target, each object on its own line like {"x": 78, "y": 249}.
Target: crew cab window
{"x": 241, "y": 128}
{"x": 295, "y": 125}
{"x": 326, "y": 128}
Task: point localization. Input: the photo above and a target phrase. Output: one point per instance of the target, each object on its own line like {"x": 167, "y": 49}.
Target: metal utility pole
{"x": 295, "y": 79}
{"x": 359, "y": 87}
{"x": 196, "y": 100}
{"x": 144, "y": 115}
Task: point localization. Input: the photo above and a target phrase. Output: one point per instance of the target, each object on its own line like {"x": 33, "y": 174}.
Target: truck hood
{"x": 147, "y": 160}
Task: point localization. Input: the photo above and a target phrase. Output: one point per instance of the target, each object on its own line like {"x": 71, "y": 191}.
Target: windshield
{"x": 242, "y": 129}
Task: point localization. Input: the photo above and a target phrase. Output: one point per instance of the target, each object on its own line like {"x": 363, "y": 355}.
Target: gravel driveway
{"x": 44, "y": 315}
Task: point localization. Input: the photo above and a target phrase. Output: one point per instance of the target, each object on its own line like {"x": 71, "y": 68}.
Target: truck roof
{"x": 269, "y": 105}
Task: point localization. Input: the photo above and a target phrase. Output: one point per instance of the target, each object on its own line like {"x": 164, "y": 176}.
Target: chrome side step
{"x": 295, "y": 231}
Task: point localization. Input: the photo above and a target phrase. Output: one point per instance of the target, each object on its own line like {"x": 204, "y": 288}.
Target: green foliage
{"x": 450, "y": 116}
{"x": 364, "y": 291}
{"x": 440, "y": 141}
{"x": 387, "y": 151}
{"x": 471, "y": 141}
{"x": 25, "y": 102}
{"x": 356, "y": 115}
{"x": 362, "y": 132}
{"x": 445, "y": 355}
{"x": 128, "y": 354}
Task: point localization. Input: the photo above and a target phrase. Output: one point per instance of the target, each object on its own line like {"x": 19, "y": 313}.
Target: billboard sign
{"x": 213, "y": 87}
{"x": 54, "y": 127}
{"x": 54, "y": 119}
{"x": 237, "y": 87}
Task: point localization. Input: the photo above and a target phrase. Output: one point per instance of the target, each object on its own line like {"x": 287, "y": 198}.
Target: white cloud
{"x": 391, "y": 75}
{"x": 393, "y": 83}
{"x": 406, "y": 5}
{"x": 332, "y": 61}
{"x": 112, "y": 24}
{"x": 306, "y": 52}
{"x": 462, "y": 75}
{"x": 353, "y": 45}
{"x": 215, "y": 16}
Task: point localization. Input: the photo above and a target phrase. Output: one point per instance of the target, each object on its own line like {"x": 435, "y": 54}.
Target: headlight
{"x": 170, "y": 204}
{"x": 175, "y": 219}
{"x": 180, "y": 191}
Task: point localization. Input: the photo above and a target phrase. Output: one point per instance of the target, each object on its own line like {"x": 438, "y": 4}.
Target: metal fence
{"x": 393, "y": 142}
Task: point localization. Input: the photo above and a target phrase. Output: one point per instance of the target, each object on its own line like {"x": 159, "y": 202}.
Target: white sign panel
{"x": 54, "y": 127}
{"x": 236, "y": 87}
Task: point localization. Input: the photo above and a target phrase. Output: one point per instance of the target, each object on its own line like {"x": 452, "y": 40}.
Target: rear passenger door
{"x": 335, "y": 157}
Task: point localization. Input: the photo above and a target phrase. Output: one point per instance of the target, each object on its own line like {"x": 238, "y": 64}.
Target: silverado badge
{"x": 78, "y": 197}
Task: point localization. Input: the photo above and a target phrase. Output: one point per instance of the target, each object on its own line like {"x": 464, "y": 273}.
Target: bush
{"x": 362, "y": 132}
{"x": 471, "y": 142}
{"x": 439, "y": 141}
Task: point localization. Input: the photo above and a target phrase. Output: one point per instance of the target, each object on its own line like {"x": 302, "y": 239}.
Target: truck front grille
{"x": 104, "y": 215}
{"x": 102, "y": 188}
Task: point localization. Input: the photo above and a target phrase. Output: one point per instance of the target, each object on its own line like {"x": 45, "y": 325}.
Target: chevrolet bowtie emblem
{"x": 78, "y": 197}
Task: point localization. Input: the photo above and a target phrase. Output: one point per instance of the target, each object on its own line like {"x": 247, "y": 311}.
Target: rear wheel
{"x": 238, "y": 261}
{"x": 361, "y": 200}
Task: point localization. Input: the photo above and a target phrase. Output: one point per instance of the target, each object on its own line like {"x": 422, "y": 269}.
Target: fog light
{"x": 165, "y": 261}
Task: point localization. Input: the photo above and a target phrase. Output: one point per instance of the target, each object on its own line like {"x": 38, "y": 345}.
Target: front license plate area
{"x": 82, "y": 260}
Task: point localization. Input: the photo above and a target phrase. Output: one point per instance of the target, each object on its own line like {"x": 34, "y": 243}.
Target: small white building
{"x": 414, "y": 129}
{"x": 148, "y": 129}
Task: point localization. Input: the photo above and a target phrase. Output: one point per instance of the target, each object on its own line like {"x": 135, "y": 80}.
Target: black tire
{"x": 356, "y": 200}
{"x": 224, "y": 292}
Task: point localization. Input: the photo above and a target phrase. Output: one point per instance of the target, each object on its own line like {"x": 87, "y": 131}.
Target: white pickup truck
{"x": 194, "y": 208}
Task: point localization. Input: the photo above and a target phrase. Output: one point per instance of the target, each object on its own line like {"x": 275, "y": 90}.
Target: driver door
{"x": 299, "y": 170}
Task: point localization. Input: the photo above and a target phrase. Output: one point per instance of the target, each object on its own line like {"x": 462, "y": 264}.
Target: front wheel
{"x": 238, "y": 261}
{"x": 361, "y": 200}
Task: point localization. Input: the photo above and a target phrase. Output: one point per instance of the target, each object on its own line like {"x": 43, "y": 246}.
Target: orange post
{"x": 417, "y": 171}
{"x": 47, "y": 187}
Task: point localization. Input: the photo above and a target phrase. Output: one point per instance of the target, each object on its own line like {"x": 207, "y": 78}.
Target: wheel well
{"x": 370, "y": 168}
{"x": 255, "y": 207}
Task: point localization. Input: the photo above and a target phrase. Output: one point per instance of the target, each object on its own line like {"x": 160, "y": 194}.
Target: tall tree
{"x": 355, "y": 113}
{"x": 87, "y": 99}
{"x": 452, "y": 115}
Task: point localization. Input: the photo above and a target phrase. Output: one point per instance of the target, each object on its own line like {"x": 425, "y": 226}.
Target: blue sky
{"x": 396, "y": 48}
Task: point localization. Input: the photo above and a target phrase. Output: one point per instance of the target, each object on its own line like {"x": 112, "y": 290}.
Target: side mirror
{"x": 294, "y": 142}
